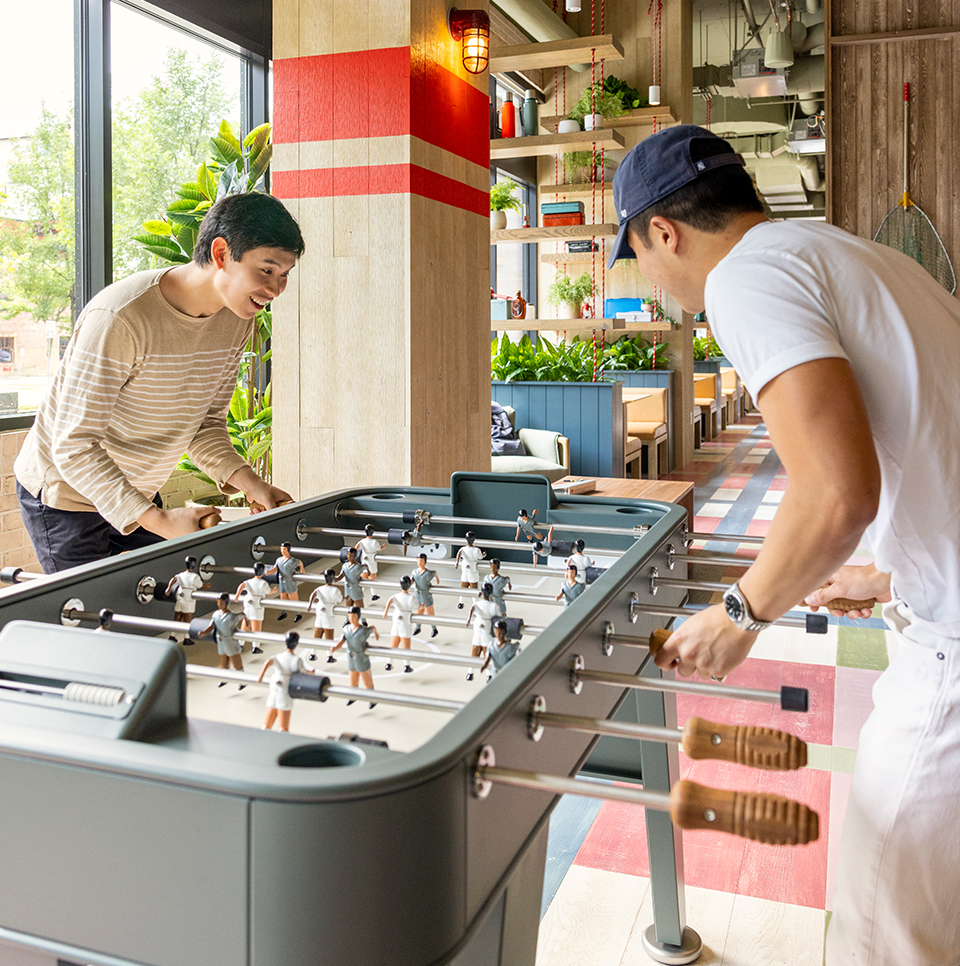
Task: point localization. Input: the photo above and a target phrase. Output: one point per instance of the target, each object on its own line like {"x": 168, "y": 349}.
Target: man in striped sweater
{"x": 149, "y": 374}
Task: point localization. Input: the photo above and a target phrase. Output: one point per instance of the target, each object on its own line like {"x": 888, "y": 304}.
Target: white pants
{"x": 897, "y": 900}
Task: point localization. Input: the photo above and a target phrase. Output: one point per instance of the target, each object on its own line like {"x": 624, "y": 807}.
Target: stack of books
{"x": 561, "y": 213}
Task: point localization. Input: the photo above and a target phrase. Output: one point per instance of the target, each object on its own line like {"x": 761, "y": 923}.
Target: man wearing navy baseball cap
{"x": 851, "y": 350}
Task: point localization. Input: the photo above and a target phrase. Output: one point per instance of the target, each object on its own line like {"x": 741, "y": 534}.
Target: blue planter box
{"x": 589, "y": 414}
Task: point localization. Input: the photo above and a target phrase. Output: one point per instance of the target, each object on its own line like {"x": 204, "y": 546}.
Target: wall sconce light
{"x": 471, "y": 28}
{"x": 573, "y": 6}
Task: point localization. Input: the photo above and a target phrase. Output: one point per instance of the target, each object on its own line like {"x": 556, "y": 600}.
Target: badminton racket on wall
{"x": 907, "y": 229}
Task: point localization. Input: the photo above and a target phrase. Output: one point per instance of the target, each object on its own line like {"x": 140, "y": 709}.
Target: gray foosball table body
{"x": 143, "y": 836}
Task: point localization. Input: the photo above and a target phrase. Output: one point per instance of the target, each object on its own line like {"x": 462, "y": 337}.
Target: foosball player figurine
{"x": 501, "y": 652}
{"x": 325, "y": 598}
{"x": 580, "y": 560}
{"x": 253, "y": 591}
{"x": 571, "y": 588}
{"x": 483, "y": 610}
{"x": 369, "y": 547}
{"x": 468, "y": 558}
{"x": 284, "y": 665}
{"x": 223, "y": 625}
{"x": 184, "y": 584}
{"x": 527, "y": 524}
{"x": 499, "y": 583}
{"x": 286, "y": 566}
{"x": 543, "y": 548}
{"x": 402, "y": 629}
{"x": 422, "y": 578}
{"x": 356, "y": 634}
{"x": 351, "y": 573}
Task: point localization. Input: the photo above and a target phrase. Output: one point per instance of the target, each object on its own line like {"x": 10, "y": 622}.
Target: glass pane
{"x": 36, "y": 197}
{"x": 510, "y": 257}
{"x": 170, "y": 91}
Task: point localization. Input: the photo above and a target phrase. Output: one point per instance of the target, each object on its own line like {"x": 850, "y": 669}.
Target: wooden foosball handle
{"x": 744, "y": 744}
{"x": 845, "y": 603}
{"x": 210, "y": 520}
{"x": 751, "y": 815}
{"x": 260, "y": 508}
{"x": 657, "y": 639}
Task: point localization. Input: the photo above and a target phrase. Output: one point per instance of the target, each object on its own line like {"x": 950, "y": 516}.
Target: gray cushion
{"x": 528, "y": 464}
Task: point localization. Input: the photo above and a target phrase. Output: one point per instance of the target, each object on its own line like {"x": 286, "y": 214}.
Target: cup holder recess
{"x": 328, "y": 754}
{"x": 632, "y": 509}
{"x": 387, "y": 496}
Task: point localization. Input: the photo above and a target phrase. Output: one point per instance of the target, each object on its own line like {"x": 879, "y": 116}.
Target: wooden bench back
{"x": 653, "y": 409}
{"x": 705, "y": 387}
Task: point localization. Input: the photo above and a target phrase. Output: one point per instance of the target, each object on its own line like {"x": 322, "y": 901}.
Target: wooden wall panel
{"x": 865, "y": 114}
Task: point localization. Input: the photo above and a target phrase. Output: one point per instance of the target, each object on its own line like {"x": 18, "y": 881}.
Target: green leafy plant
{"x": 635, "y": 352}
{"x": 658, "y": 314}
{"x": 233, "y": 168}
{"x": 525, "y": 361}
{"x": 629, "y": 96}
{"x": 564, "y": 289}
{"x": 502, "y": 197}
{"x": 595, "y": 99}
{"x": 705, "y": 347}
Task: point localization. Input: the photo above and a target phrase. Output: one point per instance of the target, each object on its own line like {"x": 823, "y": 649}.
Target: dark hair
{"x": 405, "y": 582}
{"x": 286, "y": 545}
{"x": 495, "y": 562}
{"x": 351, "y": 550}
{"x": 369, "y": 529}
{"x": 486, "y": 590}
{"x": 247, "y": 221}
{"x": 329, "y": 576}
{"x": 572, "y": 567}
{"x": 524, "y": 513}
{"x": 707, "y": 203}
{"x": 258, "y": 568}
{"x": 292, "y": 640}
{"x": 538, "y": 545}
{"x": 354, "y": 610}
{"x": 421, "y": 556}
{"x": 500, "y": 624}
{"x": 470, "y": 536}
{"x": 579, "y": 545}
{"x": 190, "y": 561}
{"x": 224, "y": 597}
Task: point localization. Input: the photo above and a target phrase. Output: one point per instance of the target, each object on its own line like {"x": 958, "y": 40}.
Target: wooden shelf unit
{"x": 575, "y": 188}
{"x": 578, "y": 325}
{"x": 574, "y": 258}
{"x": 543, "y": 144}
{"x": 507, "y": 236}
{"x": 640, "y": 117}
{"x": 555, "y": 53}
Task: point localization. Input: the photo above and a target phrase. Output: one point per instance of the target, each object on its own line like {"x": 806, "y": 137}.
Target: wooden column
{"x": 380, "y": 361}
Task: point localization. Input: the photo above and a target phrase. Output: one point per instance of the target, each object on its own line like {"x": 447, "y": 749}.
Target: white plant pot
{"x": 568, "y": 126}
{"x": 568, "y": 310}
{"x": 593, "y": 122}
{"x": 498, "y": 220}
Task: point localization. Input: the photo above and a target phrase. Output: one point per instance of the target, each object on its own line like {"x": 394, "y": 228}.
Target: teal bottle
{"x": 528, "y": 115}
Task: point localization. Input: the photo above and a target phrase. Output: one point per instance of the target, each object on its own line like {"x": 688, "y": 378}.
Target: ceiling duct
{"x": 537, "y": 20}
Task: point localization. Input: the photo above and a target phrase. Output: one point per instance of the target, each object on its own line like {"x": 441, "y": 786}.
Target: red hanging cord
{"x": 593, "y": 377}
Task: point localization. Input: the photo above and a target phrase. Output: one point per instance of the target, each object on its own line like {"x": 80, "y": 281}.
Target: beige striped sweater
{"x": 139, "y": 384}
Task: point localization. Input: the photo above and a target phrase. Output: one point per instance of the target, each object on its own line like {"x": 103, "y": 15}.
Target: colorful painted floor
{"x": 750, "y": 903}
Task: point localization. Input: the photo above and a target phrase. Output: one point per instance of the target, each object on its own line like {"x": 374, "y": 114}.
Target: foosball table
{"x": 136, "y": 832}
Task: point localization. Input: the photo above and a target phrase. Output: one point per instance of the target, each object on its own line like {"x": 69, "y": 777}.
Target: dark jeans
{"x": 68, "y": 538}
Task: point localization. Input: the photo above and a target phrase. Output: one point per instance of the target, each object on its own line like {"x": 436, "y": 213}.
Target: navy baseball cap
{"x": 655, "y": 168}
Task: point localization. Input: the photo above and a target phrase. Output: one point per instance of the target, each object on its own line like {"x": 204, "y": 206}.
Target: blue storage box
{"x": 612, "y": 306}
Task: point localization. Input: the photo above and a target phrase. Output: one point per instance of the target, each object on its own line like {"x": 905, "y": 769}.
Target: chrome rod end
{"x": 485, "y": 759}
{"x": 538, "y": 704}
{"x": 606, "y": 644}
{"x": 146, "y": 589}
{"x": 576, "y": 666}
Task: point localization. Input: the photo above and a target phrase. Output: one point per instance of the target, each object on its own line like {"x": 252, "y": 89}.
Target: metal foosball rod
{"x": 752, "y": 815}
{"x": 415, "y": 517}
{"x": 321, "y": 688}
{"x": 17, "y": 575}
{"x": 788, "y": 698}
{"x": 691, "y": 535}
{"x": 766, "y": 748}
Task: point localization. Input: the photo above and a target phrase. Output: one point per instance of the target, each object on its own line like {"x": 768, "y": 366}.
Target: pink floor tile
{"x": 735, "y": 482}
{"x": 852, "y": 705}
{"x": 778, "y": 483}
{"x": 758, "y": 528}
{"x": 617, "y": 840}
{"x": 793, "y": 874}
{"x": 839, "y": 795}
{"x": 706, "y": 524}
{"x": 814, "y": 726}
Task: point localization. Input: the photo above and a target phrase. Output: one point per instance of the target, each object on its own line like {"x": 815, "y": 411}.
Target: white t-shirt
{"x": 187, "y": 583}
{"x": 469, "y": 558}
{"x": 369, "y": 548}
{"x": 792, "y": 292}
{"x": 581, "y": 561}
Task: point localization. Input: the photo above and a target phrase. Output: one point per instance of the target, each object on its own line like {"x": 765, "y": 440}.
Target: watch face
{"x": 734, "y": 605}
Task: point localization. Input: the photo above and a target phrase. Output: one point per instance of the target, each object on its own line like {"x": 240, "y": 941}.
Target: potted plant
{"x": 594, "y": 105}
{"x": 502, "y": 200}
{"x": 568, "y": 294}
{"x": 635, "y": 353}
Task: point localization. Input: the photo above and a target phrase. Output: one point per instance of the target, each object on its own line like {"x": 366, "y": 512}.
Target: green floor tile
{"x": 862, "y": 647}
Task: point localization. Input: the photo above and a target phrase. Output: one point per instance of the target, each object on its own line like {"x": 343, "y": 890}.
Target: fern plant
{"x": 635, "y": 353}
{"x": 705, "y": 347}
{"x": 525, "y": 361}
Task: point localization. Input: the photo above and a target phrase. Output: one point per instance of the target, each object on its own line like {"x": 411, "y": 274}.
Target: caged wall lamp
{"x": 472, "y": 29}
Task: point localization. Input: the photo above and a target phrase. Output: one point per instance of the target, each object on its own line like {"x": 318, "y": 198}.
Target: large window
{"x": 153, "y": 89}
{"x": 36, "y": 195}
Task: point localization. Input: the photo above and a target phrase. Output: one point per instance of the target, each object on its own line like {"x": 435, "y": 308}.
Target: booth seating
{"x": 705, "y": 396}
{"x": 697, "y": 434}
{"x": 548, "y": 453}
{"x": 644, "y": 421}
{"x": 731, "y": 384}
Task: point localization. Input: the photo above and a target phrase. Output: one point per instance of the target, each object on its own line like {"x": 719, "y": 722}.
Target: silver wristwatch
{"x": 738, "y": 610}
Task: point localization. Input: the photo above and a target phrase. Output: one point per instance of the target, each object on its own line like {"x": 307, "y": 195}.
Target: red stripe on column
{"x": 379, "y": 93}
{"x": 384, "y": 179}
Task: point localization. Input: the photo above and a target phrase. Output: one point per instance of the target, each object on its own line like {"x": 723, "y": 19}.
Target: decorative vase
{"x": 568, "y": 310}
{"x": 498, "y": 220}
{"x": 593, "y": 122}
{"x": 568, "y": 126}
